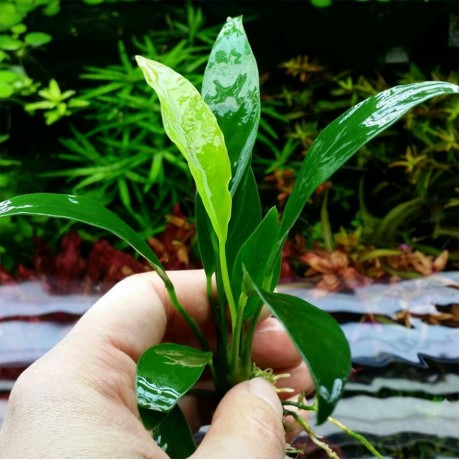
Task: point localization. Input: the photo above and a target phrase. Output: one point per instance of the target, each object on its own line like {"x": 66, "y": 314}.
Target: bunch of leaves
{"x": 75, "y": 267}
{"x": 402, "y": 188}
{"x": 15, "y": 40}
{"x": 240, "y": 247}
{"x": 16, "y": 235}
{"x": 174, "y": 246}
{"x": 16, "y": 47}
{"x": 55, "y": 103}
{"x": 135, "y": 157}
{"x": 346, "y": 259}
{"x": 352, "y": 264}
{"x": 119, "y": 154}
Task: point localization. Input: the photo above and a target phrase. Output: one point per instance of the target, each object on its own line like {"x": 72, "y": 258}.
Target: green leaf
{"x": 52, "y": 8}
{"x": 151, "y": 419}
{"x": 9, "y": 16}
{"x": 386, "y": 229}
{"x": 7, "y": 76}
{"x": 319, "y": 340}
{"x": 4, "y": 56}
{"x": 52, "y": 116}
{"x": 6, "y": 90}
{"x": 54, "y": 92}
{"x": 18, "y": 29}
{"x": 347, "y": 134}
{"x": 246, "y": 215}
{"x": 41, "y": 105}
{"x": 9, "y": 43}
{"x": 37, "y": 38}
{"x": 231, "y": 89}
{"x": 77, "y": 103}
{"x": 67, "y": 94}
{"x": 173, "y": 435}
{"x": 376, "y": 253}
{"x": 253, "y": 255}
{"x": 191, "y": 125}
{"x": 86, "y": 211}
{"x": 166, "y": 372}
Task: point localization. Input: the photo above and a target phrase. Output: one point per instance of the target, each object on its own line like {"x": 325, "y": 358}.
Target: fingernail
{"x": 264, "y": 390}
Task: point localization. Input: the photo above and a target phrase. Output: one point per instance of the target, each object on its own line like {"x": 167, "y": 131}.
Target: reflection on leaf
{"x": 184, "y": 359}
{"x": 155, "y": 397}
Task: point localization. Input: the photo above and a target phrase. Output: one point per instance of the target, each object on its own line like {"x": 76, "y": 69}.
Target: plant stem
{"x": 190, "y": 321}
{"x": 221, "y": 357}
{"x": 226, "y": 281}
{"x": 357, "y": 436}
{"x": 248, "y": 340}
{"x": 219, "y": 315}
{"x": 209, "y": 292}
{"x": 238, "y": 365}
{"x": 193, "y": 325}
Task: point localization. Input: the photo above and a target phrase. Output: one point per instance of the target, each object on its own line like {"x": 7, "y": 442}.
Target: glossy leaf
{"x": 231, "y": 89}
{"x": 151, "y": 419}
{"x": 253, "y": 255}
{"x": 173, "y": 435}
{"x": 166, "y": 372}
{"x": 84, "y": 210}
{"x": 191, "y": 125}
{"x": 319, "y": 340}
{"x": 246, "y": 215}
{"x": 348, "y": 133}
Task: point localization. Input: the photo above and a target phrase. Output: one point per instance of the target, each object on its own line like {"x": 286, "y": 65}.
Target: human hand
{"x": 79, "y": 399}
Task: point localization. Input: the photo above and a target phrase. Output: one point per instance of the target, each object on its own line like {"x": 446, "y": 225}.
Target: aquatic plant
{"x": 215, "y": 131}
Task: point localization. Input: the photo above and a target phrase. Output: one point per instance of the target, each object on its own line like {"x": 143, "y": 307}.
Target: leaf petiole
{"x": 190, "y": 321}
{"x": 238, "y": 370}
{"x": 226, "y": 283}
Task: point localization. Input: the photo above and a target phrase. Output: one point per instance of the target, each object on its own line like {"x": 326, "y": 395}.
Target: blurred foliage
{"x": 402, "y": 188}
{"x": 17, "y": 45}
{"x": 55, "y": 103}
{"x": 119, "y": 153}
{"x": 18, "y": 88}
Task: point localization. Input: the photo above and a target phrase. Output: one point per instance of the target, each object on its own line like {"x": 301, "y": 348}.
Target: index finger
{"x": 137, "y": 312}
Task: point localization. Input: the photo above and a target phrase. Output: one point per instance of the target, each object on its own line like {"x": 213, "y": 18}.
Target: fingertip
{"x": 265, "y": 391}
{"x": 247, "y": 424}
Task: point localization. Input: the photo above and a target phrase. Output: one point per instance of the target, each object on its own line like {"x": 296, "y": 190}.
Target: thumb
{"x": 247, "y": 424}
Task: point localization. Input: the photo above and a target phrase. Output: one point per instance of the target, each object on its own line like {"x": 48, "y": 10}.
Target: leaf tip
{"x": 236, "y": 22}
{"x": 140, "y": 60}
